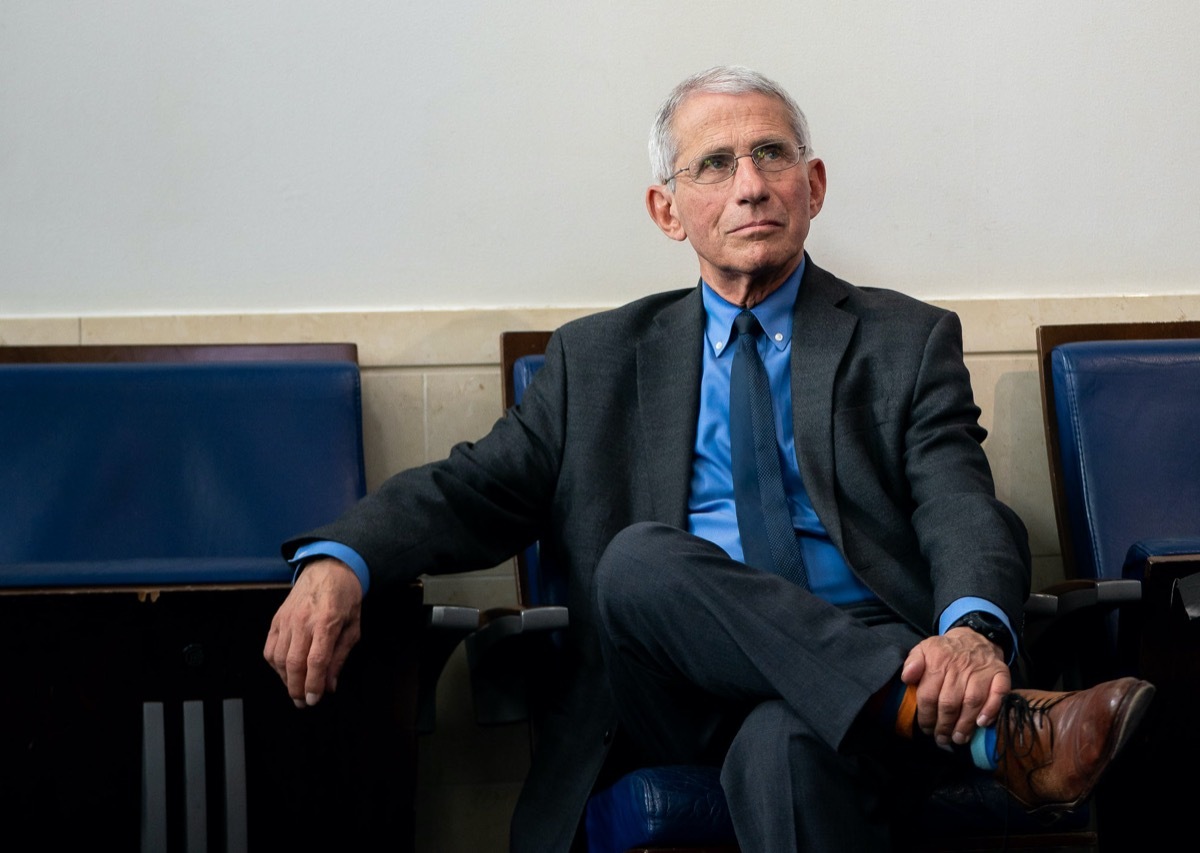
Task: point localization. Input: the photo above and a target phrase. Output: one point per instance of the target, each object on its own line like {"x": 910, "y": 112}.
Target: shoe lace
{"x": 1019, "y": 717}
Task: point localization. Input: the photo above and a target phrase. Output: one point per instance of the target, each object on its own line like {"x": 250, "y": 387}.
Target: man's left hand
{"x": 960, "y": 678}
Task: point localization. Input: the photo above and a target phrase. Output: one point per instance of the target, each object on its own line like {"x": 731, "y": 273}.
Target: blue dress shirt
{"x": 325, "y": 548}
{"x": 711, "y": 512}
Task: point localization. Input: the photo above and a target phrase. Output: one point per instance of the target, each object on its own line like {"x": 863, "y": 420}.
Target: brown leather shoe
{"x": 1052, "y": 747}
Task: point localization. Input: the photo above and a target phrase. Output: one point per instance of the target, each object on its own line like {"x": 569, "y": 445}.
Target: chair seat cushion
{"x": 684, "y": 805}
{"x": 664, "y": 806}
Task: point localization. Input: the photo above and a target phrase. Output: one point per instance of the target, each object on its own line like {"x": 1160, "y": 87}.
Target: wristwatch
{"x": 990, "y": 626}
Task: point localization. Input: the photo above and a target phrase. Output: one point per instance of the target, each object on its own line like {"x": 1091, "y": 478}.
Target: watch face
{"x": 988, "y": 626}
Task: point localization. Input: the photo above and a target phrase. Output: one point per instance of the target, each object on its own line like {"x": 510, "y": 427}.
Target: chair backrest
{"x": 521, "y": 357}
{"x": 177, "y": 353}
{"x": 1121, "y": 404}
{"x": 171, "y": 465}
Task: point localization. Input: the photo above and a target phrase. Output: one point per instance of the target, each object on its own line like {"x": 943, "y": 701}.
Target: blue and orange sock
{"x": 983, "y": 747}
{"x": 896, "y": 706}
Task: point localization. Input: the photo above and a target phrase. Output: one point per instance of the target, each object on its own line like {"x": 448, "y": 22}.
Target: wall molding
{"x": 426, "y": 338}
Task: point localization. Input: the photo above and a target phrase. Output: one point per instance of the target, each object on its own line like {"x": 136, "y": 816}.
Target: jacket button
{"x": 608, "y": 736}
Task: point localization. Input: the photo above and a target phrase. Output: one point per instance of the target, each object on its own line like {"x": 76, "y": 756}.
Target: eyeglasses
{"x": 720, "y": 165}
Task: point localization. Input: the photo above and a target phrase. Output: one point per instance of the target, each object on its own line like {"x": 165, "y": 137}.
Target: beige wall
{"x": 431, "y": 378}
{"x": 224, "y": 156}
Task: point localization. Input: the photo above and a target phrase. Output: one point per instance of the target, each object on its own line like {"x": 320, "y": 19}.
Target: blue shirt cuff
{"x": 963, "y": 606}
{"x": 325, "y": 548}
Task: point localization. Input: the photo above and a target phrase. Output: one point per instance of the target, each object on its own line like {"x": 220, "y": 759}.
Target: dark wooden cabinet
{"x": 82, "y": 670}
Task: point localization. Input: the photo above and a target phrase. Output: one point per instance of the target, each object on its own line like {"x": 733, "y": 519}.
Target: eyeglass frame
{"x": 800, "y": 150}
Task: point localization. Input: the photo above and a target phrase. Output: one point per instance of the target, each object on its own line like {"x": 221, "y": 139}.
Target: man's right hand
{"x": 314, "y": 629}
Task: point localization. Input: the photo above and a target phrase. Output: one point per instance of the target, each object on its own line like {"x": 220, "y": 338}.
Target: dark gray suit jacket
{"x": 889, "y": 448}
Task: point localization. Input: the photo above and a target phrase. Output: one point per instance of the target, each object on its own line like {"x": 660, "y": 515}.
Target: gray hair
{"x": 720, "y": 80}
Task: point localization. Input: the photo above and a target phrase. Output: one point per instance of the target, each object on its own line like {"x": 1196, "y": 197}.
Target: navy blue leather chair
{"x": 682, "y": 808}
{"x": 1123, "y": 401}
{"x": 147, "y": 490}
{"x": 122, "y": 468}
{"x": 1122, "y": 407}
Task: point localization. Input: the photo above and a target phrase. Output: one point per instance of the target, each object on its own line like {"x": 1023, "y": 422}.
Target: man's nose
{"x": 748, "y": 180}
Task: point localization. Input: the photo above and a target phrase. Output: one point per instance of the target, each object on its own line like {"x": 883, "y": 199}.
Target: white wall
{"x": 216, "y": 156}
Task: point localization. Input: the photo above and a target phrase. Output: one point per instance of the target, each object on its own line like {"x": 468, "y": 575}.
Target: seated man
{"x": 820, "y": 661}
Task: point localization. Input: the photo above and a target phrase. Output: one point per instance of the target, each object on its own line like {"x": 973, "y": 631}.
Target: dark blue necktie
{"x": 764, "y": 520}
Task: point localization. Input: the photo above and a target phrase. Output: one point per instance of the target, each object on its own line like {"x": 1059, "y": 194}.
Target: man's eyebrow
{"x": 715, "y": 148}
{"x": 770, "y": 140}
{"x": 756, "y": 142}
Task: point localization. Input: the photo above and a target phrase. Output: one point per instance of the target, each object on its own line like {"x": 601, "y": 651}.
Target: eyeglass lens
{"x": 720, "y": 165}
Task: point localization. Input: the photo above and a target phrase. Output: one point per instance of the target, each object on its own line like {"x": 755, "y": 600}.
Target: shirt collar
{"x": 774, "y": 313}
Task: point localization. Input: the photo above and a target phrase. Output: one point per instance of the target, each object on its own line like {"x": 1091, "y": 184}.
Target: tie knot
{"x": 747, "y": 324}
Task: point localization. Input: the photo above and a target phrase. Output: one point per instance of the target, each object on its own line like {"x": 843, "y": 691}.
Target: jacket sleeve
{"x": 472, "y": 510}
{"x": 974, "y": 544}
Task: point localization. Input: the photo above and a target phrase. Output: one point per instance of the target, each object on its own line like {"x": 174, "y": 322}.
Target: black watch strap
{"x": 990, "y": 626}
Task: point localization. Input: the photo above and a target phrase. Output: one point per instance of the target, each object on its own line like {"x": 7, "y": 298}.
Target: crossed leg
{"x": 712, "y": 662}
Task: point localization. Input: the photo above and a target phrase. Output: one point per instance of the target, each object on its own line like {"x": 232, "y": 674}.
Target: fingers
{"x": 341, "y": 650}
{"x": 287, "y": 647}
{"x": 1000, "y": 686}
{"x": 327, "y": 653}
{"x": 987, "y": 680}
{"x": 312, "y": 669}
{"x": 959, "y": 709}
{"x": 962, "y": 682}
{"x": 929, "y": 691}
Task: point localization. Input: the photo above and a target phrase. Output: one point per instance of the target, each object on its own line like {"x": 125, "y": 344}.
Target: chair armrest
{"x": 1068, "y": 639}
{"x": 1077, "y": 596}
{"x": 1147, "y": 552}
{"x": 1047, "y": 611}
{"x": 512, "y": 651}
{"x": 1169, "y": 569}
{"x": 445, "y": 627}
{"x": 1163, "y": 636}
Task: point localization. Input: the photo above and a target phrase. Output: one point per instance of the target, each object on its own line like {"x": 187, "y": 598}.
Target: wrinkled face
{"x": 748, "y": 231}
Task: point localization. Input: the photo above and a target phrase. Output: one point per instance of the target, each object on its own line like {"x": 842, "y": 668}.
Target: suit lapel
{"x": 668, "y": 379}
{"x": 821, "y": 333}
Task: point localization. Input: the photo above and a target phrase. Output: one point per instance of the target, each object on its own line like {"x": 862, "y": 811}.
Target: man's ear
{"x": 816, "y": 186}
{"x": 660, "y": 203}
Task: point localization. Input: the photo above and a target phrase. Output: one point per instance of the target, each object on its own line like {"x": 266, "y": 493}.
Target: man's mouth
{"x": 757, "y": 224}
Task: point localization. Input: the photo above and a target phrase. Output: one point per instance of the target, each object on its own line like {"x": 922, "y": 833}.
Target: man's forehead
{"x": 706, "y": 118}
